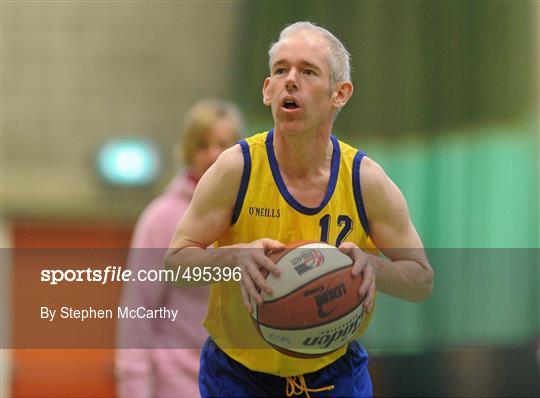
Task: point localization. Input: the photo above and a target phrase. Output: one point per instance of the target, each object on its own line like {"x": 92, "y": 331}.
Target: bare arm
{"x": 406, "y": 272}
{"x": 208, "y": 217}
{"x": 209, "y": 213}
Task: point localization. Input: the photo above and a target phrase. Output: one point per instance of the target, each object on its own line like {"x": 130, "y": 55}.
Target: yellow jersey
{"x": 264, "y": 208}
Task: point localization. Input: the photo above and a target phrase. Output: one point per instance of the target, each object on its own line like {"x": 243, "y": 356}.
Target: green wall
{"x": 473, "y": 196}
{"x": 418, "y": 66}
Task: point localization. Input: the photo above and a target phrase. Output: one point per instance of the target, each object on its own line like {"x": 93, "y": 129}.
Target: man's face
{"x": 298, "y": 89}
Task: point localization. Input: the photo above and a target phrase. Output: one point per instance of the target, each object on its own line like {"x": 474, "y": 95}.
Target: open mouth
{"x": 290, "y": 104}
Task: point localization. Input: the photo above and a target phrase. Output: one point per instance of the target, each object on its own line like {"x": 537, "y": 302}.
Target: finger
{"x": 259, "y": 280}
{"x": 359, "y": 265}
{"x": 371, "y": 297}
{"x": 245, "y": 298}
{"x": 358, "y": 256}
{"x": 367, "y": 279}
{"x": 269, "y": 265}
{"x": 251, "y": 289}
{"x": 345, "y": 246}
{"x": 271, "y": 244}
{"x": 368, "y": 303}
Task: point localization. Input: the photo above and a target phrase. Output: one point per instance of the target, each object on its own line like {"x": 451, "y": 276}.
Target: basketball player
{"x": 295, "y": 182}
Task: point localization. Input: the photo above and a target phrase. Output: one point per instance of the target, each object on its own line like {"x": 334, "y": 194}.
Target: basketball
{"x": 315, "y": 308}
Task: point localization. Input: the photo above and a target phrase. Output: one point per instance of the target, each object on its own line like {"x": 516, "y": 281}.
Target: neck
{"x": 303, "y": 154}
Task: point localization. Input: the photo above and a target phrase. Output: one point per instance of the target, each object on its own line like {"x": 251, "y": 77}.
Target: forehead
{"x": 307, "y": 47}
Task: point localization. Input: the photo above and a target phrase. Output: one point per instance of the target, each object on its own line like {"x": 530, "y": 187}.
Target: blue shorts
{"x": 221, "y": 376}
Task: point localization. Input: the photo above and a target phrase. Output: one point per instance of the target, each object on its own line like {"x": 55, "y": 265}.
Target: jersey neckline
{"x": 334, "y": 172}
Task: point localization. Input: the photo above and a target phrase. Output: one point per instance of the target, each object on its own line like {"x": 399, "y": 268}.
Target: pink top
{"x": 164, "y": 370}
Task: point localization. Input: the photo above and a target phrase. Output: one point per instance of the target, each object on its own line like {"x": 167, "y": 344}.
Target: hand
{"x": 362, "y": 266}
{"x": 251, "y": 258}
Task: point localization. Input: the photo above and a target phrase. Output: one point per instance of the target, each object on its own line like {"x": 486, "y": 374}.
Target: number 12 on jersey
{"x": 344, "y": 222}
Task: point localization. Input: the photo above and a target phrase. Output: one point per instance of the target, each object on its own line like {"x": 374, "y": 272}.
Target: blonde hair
{"x": 199, "y": 121}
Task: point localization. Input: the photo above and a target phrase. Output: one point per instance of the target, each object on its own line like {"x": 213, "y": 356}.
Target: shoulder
{"x": 230, "y": 164}
{"x": 346, "y": 150}
{"x": 382, "y": 197}
{"x": 373, "y": 177}
{"x": 258, "y": 139}
{"x": 219, "y": 185}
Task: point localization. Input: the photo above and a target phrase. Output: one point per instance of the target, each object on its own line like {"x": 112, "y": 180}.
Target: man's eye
{"x": 279, "y": 71}
{"x": 309, "y": 72}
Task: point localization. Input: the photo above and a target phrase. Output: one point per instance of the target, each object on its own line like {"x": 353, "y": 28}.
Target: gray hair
{"x": 338, "y": 60}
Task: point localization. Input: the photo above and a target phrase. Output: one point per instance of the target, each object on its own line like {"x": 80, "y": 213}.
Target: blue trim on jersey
{"x": 357, "y": 189}
{"x": 334, "y": 171}
{"x": 244, "y": 182}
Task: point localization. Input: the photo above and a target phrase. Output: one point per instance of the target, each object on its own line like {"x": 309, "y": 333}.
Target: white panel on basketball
{"x": 291, "y": 279}
{"x": 317, "y": 340}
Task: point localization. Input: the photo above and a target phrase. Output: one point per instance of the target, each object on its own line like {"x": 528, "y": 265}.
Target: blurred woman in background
{"x": 170, "y": 364}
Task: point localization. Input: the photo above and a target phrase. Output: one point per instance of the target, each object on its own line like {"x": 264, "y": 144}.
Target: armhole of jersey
{"x": 244, "y": 183}
{"x": 357, "y": 189}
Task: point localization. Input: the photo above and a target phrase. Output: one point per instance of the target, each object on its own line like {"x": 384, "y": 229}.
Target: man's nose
{"x": 291, "y": 83}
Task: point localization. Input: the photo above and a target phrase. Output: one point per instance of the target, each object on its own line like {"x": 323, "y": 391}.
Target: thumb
{"x": 346, "y": 247}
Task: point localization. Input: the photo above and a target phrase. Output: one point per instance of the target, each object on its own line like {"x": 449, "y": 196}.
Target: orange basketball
{"x": 315, "y": 308}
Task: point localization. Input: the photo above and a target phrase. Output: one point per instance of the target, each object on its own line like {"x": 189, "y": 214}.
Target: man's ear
{"x": 267, "y": 99}
{"x": 342, "y": 94}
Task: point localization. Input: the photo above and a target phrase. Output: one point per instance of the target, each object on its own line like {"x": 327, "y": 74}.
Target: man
{"x": 317, "y": 188}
